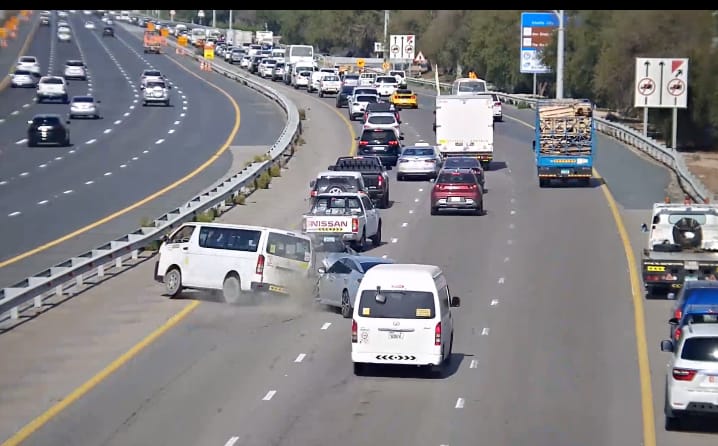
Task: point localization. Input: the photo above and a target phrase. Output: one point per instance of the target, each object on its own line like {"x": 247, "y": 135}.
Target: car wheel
{"x": 376, "y": 239}
{"x": 360, "y": 245}
{"x": 359, "y": 368}
{"x": 399, "y": 177}
{"x": 434, "y": 210}
{"x": 173, "y": 282}
{"x": 231, "y": 289}
{"x": 346, "y": 306}
{"x": 31, "y": 142}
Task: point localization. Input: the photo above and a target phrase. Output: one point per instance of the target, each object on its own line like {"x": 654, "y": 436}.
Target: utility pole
{"x": 385, "y": 44}
{"x": 214, "y": 18}
{"x": 230, "y": 19}
{"x": 560, "y": 54}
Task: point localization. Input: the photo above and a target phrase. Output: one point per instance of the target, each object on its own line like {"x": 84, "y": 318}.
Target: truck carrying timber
{"x": 565, "y": 140}
{"x": 682, "y": 246}
{"x": 465, "y": 126}
{"x": 152, "y": 42}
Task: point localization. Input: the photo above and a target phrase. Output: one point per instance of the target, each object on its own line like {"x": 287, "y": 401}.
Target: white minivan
{"x": 235, "y": 259}
{"x": 402, "y": 316}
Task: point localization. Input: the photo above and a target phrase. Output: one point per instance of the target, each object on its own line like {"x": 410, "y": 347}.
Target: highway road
{"x": 545, "y": 342}
{"x": 114, "y": 162}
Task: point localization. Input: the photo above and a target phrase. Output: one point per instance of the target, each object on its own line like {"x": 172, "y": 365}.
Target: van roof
{"x": 248, "y": 227}
{"x": 409, "y": 272}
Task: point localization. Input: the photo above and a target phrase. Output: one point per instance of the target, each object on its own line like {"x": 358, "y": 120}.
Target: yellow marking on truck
{"x": 654, "y": 268}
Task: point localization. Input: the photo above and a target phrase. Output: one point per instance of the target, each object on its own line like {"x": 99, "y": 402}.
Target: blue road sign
{"x": 536, "y": 32}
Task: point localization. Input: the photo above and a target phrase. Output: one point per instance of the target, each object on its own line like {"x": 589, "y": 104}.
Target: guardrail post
{"x": 135, "y": 254}
{"x": 78, "y": 281}
{"x": 37, "y": 302}
{"x": 118, "y": 262}
{"x": 101, "y": 271}
{"x": 14, "y": 313}
{"x": 59, "y": 291}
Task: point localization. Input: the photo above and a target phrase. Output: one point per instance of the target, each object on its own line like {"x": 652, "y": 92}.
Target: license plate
{"x": 455, "y": 199}
{"x": 329, "y": 239}
{"x": 565, "y": 171}
{"x": 690, "y": 278}
{"x": 380, "y": 148}
{"x": 396, "y": 335}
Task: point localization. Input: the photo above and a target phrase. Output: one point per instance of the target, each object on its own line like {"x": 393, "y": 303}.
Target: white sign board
{"x": 402, "y": 47}
{"x": 661, "y": 83}
{"x": 200, "y": 13}
{"x": 378, "y": 47}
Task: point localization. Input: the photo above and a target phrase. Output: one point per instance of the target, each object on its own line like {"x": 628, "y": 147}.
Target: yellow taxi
{"x": 403, "y": 98}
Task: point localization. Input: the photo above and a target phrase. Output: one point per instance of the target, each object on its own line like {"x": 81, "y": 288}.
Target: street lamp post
{"x": 560, "y": 54}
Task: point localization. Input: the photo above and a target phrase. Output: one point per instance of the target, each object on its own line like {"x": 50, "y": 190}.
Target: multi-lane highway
{"x": 49, "y": 195}
{"x": 546, "y": 339}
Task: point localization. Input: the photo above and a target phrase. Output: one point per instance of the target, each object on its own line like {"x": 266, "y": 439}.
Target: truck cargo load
{"x": 152, "y": 42}
{"x": 565, "y": 140}
{"x": 465, "y": 126}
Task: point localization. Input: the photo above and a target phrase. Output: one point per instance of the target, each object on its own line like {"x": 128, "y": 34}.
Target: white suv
{"x": 692, "y": 375}
{"x": 52, "y": 87}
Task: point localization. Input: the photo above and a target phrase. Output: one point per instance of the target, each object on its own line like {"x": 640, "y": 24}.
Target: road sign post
{"x": 661, "y": 83}
{"x": 402, "y": 47}
{"x": 536, "y": 33}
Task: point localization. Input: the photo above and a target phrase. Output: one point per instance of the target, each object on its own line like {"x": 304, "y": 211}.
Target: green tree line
{"x": 600, "y": 50}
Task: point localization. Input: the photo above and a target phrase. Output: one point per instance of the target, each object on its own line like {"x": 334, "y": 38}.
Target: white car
{"x": 75, "y": 69}
{"x": 52, "y": 87}
{"x": 62, "y": 13}
{"x": 156, "y": 92}
{"x": 28, "y": 63}
{"x": 386, "y": 85}
{"x": 692, "y": 374}
{"x": 302, "y": 79}
{"x": 84, "y": 106}
{"x": 23, "y": 78}
{"x": 315, "y": 80}
{"x": 64, "y": 36}
{"x": 246, "y": 60}
{"x": 382, "y": 121}
{"x": 89, "y": 25}
{"x": 266, "y": 68}
{"x": 151, "y": 75}
{"x": 357, "y": 104}
{"x": 329, "y": 84}
{"x": 498, "y": 110}
{"x": 400, "y": 77}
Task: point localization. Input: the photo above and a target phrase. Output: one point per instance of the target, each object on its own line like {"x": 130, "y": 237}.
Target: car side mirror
{"x": 673, "y": 321}
{"x": 356, "y": 138}
{"x": 671, "y": 296}
{"x": 401, "y": 137}
{"x": 68, "y": 122}
{"x": 667, "y": 346}
{"x": 321, "y": 270}
{"x": 165, "y": 238}
{"x": 456, "y": 301}
{"x": 312, "y": 183}
{"x": 644, "y": 227}
{"x": 98, "y": 101}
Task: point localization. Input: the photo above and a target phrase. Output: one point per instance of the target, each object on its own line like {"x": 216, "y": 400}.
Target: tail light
{"x": 380, "y": 180}
{"x": 363, "y": 143}
{"x": 313, "y": 193}
{"x": 440, "y": 187}
{"x": 683, "y": 374}
{"x": 260, "y": 264}
{"x": 393, "y": 143}
{"x": 413, "y": 96}
{"x": 355, "y": 224}
{"x": 677, "y": 334}
{"x": 678, "y": 314}
{"x": 355, "y": 328}
{"x": 437, "y": 334}
{"x": 497, "y": 103}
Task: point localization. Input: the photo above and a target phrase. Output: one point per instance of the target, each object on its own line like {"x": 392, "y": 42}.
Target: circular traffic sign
{"x": 360, "y": 63}
{"x": 646, "y": 86}
{"x": 676, "y": 87}
{"x": 173, "y": 12}
{"x": 395, "y": 49}
{"x": 409, "y": 50}
{"x": 200, "y": 13}
{"x": 386, "y": 66}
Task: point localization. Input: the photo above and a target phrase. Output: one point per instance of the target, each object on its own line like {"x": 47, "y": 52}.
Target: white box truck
{"x": 465, "y": 126}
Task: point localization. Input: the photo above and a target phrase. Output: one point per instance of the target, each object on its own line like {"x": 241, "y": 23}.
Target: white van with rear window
{"x": 235, "y": 259}
{"x": 402, "y": 316}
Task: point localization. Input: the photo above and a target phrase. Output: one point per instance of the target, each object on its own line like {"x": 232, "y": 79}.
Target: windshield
{"x": 152, "y": 74}
{"x": 397, "y": 73}
{"x": 301, "y": 51}
{"x": 675, "y": 218}
{"x": 461, "y": 162}
{"x": 397, "y": 304}
{"x": 366, "y": 98}
{"x": 366, "y": 266}
{"x": 337, "y": 206}
{"x": 379, "y": 136}
{"x": 347, "y": 183}
{"x": 82, "y": 99}
{"x": 155, "y": 85}
{"x": 382, "y": 119}
{"x": 75, "y": 63}
{"x": 27, "y": 59}
{"x": 472, "y": 87}
{"x": 46, "y": 120}
{"x": 52, "y": 80}
{"x": 386, "y": 80}
{"x": 418, "y": 152}
{"x": 457, "y": 177}
{"x": 331, "y": 78}
{"x": 22, "y": 73}
{"x": 700, "y": 349}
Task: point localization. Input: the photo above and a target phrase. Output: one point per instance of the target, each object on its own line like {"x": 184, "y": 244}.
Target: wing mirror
{"x": 68, "y": 122}
{"x": 644, "y": 227}
{"x": 456, "y": 301}
{"x": 667, "y": 346}
{"x": 673, "y": 321}
{"x": 356, "y": 139}
{"x": 401, "y": 137}
{"x": 98, "y": 101}
{"x": 312, "y": 183}
{"x": 165, "y": 238}
{"x": 321, "y": 270}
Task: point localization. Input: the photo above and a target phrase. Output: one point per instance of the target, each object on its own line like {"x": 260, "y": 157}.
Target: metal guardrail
{"x": 669, "y": 157}
{"x": 64, "y": 276}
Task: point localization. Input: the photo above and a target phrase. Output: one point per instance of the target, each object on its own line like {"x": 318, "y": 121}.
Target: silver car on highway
{"x": 418, "y": 161}
{"x": 85, "y": 107}
{"x": 339, "y": 279}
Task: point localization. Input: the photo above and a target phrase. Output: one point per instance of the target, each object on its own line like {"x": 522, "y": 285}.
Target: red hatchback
{"x": 457, "y": 189}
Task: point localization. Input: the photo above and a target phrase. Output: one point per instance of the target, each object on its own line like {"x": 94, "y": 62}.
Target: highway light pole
{"x": 230, "y": 19}
{"x": 214, "y": 18}
{"x": 559, "y": 54}
{"x": 385, "y": 44}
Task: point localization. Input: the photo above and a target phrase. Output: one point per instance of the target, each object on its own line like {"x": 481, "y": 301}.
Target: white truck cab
{"x": 402, "y": 316}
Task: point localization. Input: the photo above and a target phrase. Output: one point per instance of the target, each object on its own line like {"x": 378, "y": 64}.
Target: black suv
{"x": 48, "y": 129}
{"x": 384, "y": 143}
{"x": 343, "y": 96}
{"x": 108, "y": 31}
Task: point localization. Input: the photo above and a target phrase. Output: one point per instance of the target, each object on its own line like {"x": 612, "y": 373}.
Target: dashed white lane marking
{"x": 107, "y": 174}
{"x": 232, "y": 441}
{"x": 474, "y": 364}
{"x": 411, "y": 211}
{"x": 485, "y": 331}
{"x": 15, "y": 113}
{"x": 300, "y": 357}
{"x": 126, "y": 114}
{"x": 118, "y": 122}
{"x": 326, "y": 325}
{"x": 3, "y": 182}
{"x": 416, "y": 200}
{"x": 107, "y": 131}
{"x": 171, "y": 131}
{"x": 122, "y": 166}
{"x": 13, "y": 214}
{"x": 506, "y": 260}
{"x": 91, "y": 141}
{"x": 58, "y": 158}
{"x": 509, "y": 242}
{"x": 134, "y": 101}
{"x": 421, "y": 189}
{"x": 184, "y": 97}
{"x": 184, "y": 102}
{"x": 43, "y": 202}
{"x": 404, "y": 225}
{"x": 68, "y": 192}
{"x": 459, "y": 403}
{"x": 25, "y": 105}
{"x": 71, "y": 151}
{"x": 21, "y": 141}
{"x": 42, "y": 166}
{"x": 87, "y": 183}
{"x": 394, "y": 240}
{"x": 145, "y": 151}
{"x": 513, "y": 212}
{"x": 501, "y": 280}
{"x": 132, "y": 107}
{"x": 184, "y": 107}
{"x": 134, "y": 158}
{"x": 176, "y": 123}
{"x": 512, "y": 226}
{"x": 24, "y": 174}
{"x": 182, "y": 115}
{"x": 159, "y": 141}
{"x": 494, "y": 302}
{"x": 385, "y": 256}
{"x": 269, "y": 395}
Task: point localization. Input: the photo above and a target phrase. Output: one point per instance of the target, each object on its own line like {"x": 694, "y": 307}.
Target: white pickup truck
{"x": 329, "y": 84}
{"x": 347, "y": 217}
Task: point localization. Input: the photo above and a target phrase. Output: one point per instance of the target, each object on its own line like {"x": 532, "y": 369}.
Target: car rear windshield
{"x": 456, "y": 177}
{"x": 418, "y": 152}
{"x": 324, "y": 182}
{"x": 22, "y": 73}
{"x": 386, "y": 80}
{"x": 366, "y": 98}
{"x": 397, "y": 73}
{"x": 397, "y": 304}
{"x": 382, "y": 119}
{"x": 46, "y": 120}
{"x": 82, "y": 99}
{"x": 289, "y": 247}
{"x": 229, "y": 238}
{"x": 74, "y": 63}
{"x": 152, "y": 74}
{"x": 700, "y": 349}
{"x": 331, "y": 78}
{"x": 52, "y": 80}
{"x": 337, "y": 206}
{"x": 347, "y": 89}
{"x": 27, "y": 59}
{"x": 379, "y": 136}
{"x": 461, "y": 162}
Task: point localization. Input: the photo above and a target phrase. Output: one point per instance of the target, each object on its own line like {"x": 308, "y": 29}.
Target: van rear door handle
{"x": 185, "y": 248}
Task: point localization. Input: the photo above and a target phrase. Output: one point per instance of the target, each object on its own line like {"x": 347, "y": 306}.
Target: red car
{"x": 457, "y": 189}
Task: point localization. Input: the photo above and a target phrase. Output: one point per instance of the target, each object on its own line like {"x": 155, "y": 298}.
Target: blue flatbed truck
{"x": 565, "y": 140}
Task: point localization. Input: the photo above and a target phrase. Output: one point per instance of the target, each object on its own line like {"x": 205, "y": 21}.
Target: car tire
{"x": 346, "y": 308}
{"x": 434, "y": 210}
{"x": 385, "y": 201}
{"x": 231, "y": 289}
{"x": 361, "y": 244}
{"x": 376, "y": 239}
{"x": 399, "y": 177}
{"x": 543, "y": 182}
{"x": 31, "y": 142}
{"x": 67, "y": 142}
{"x": 359, "y": 368}
{"x": 173, "y": 282}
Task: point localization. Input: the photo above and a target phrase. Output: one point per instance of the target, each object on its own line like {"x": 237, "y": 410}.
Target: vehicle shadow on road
{"x": 700, "y": 425}
{"x": 574, "y": 184}
{"x": 406, "y": 371}
{"x": 495, "y": 166}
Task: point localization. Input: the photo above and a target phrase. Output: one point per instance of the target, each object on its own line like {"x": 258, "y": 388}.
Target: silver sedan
{"x": 84, "y": 106}
{"x": 418, "y": 161}
{"x": 339, "y": 279}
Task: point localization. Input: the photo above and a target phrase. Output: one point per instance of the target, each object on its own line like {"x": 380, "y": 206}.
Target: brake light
{"x": 313, "y": 193}
{"x": 380, "y": 180}
{"x": 683, "y": 374}
{"x": 677, "y": 334}
{"x": 497, "y": 103}
{"x": 355, "y": 328}
{"x": 393, "y": 143}
{"x": 260, "y": 264}
{"x": 355, "y": 224}
{"x": 678, "y": 314}
{"x": 413, "y": 96}
{"x": 363, "y": 143}
{"x": 437, "y": 334}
